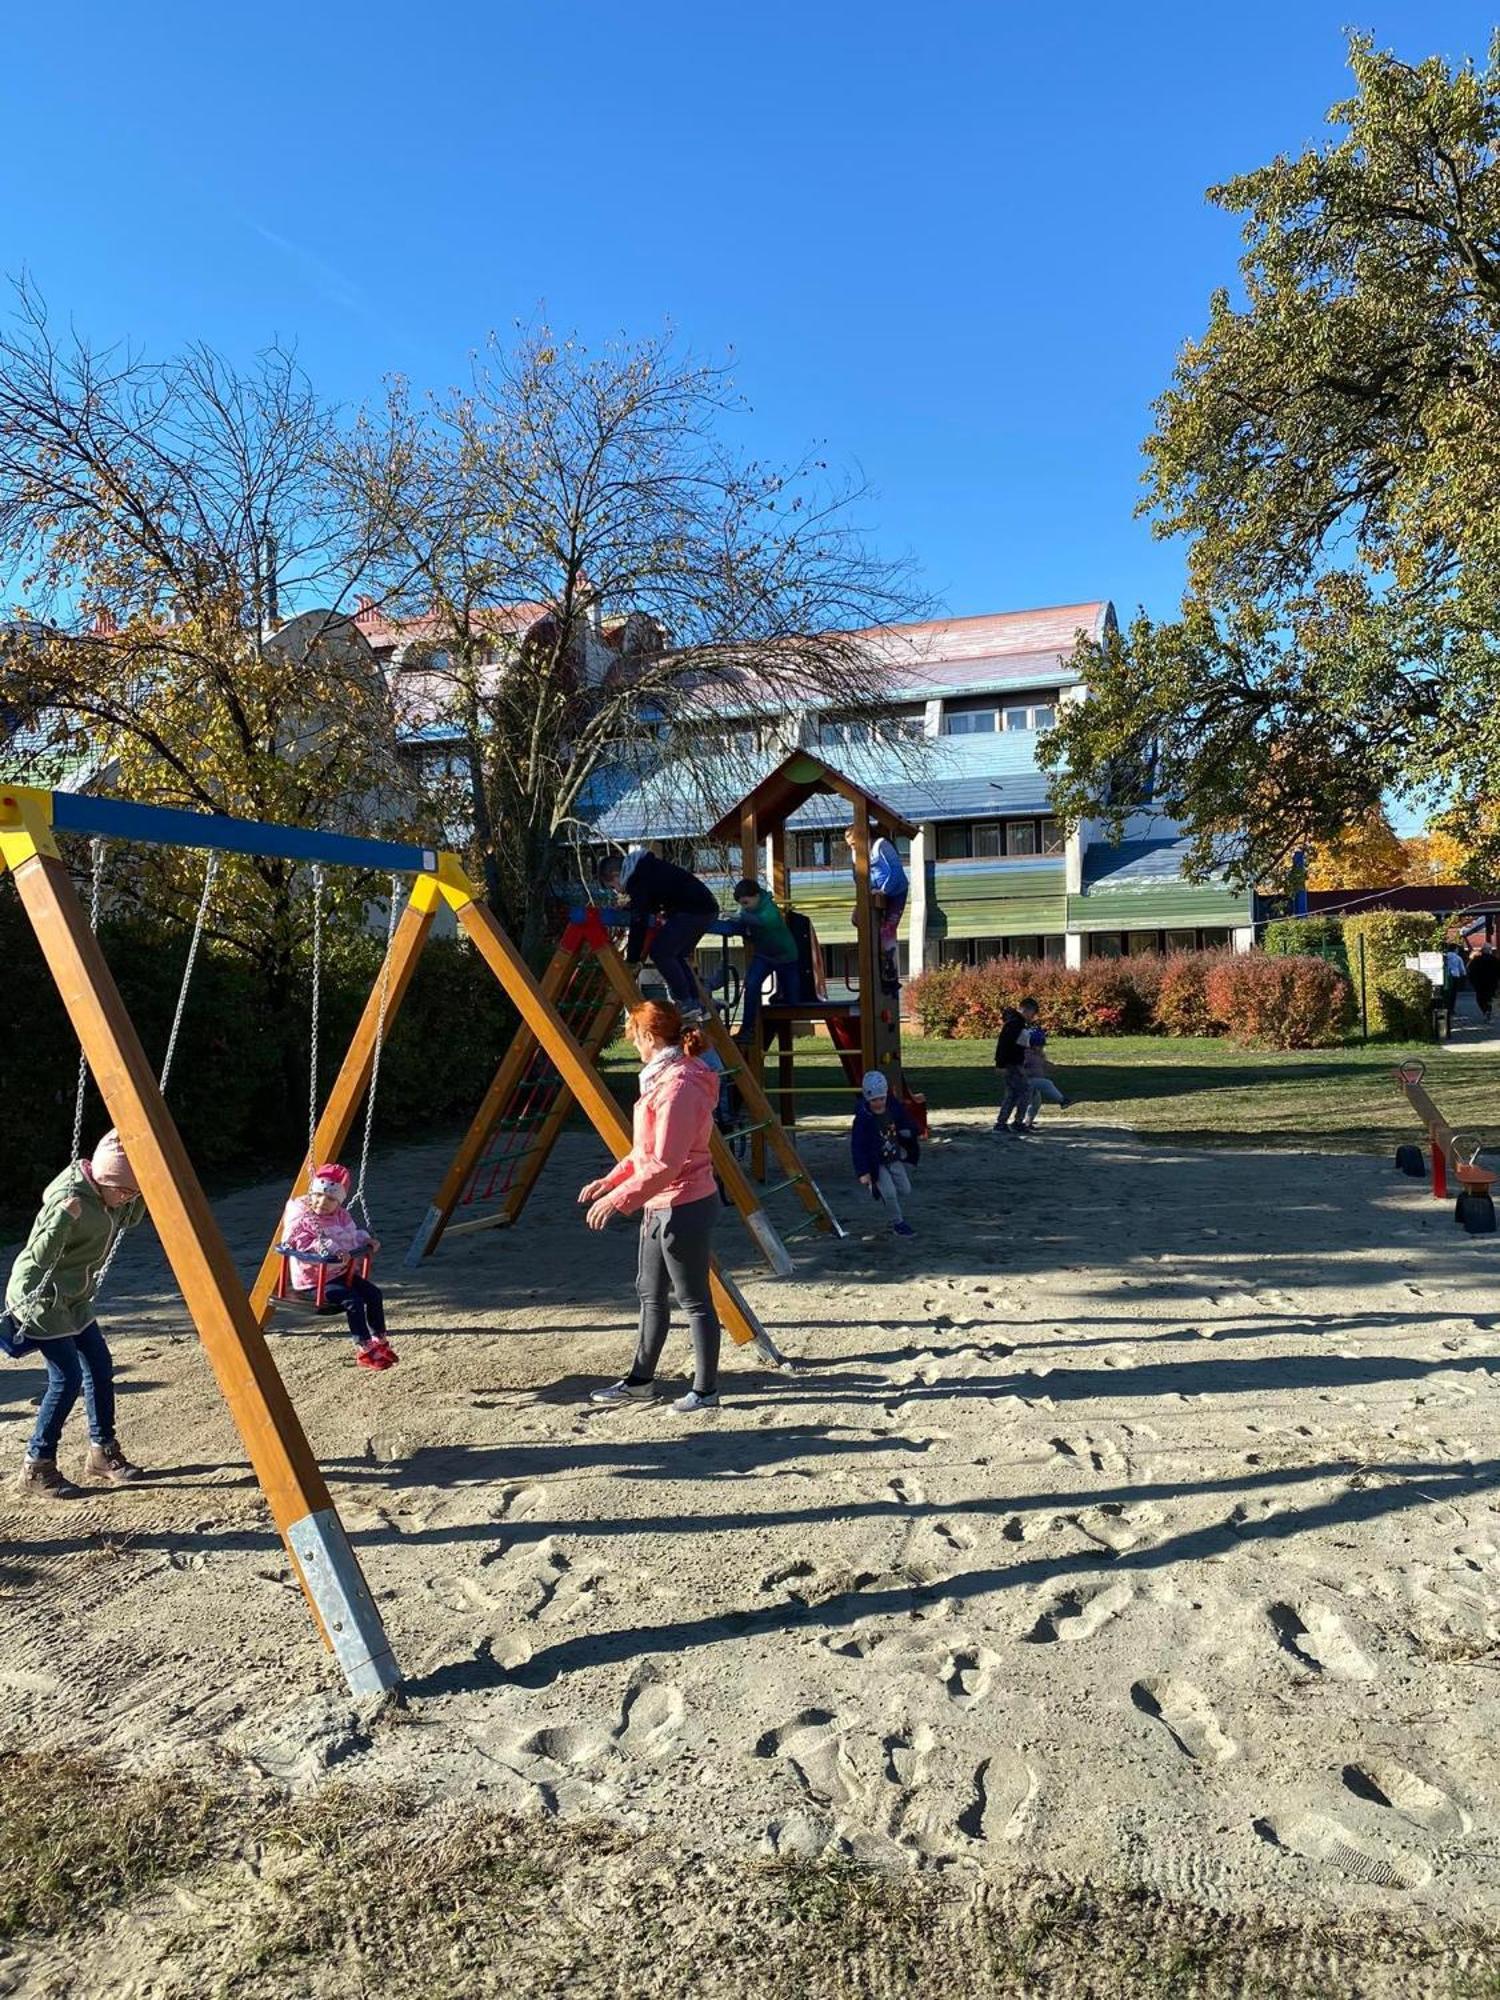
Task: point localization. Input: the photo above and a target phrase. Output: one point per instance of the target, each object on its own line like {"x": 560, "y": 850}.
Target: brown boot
{"x": 40, "y": 1477}
{"x": 107, "y": 1461}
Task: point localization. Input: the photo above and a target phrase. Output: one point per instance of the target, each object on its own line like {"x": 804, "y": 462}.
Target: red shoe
{"x": 376, "y": 1356}
{"x": 384, "y": 1348}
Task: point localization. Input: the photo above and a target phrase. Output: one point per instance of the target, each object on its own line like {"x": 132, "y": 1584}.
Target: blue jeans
{"x": 363, "y": 1306}
{"x": 757, "y": 972}
{"x": 77, "y": 1361}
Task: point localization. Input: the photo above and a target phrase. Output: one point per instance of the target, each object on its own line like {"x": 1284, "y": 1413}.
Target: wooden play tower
{"x": 866, "y": 1030}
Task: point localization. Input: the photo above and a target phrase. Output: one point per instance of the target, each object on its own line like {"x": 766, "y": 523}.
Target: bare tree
{"x": 592, "y": 579}
{"x": 158, "y": 521}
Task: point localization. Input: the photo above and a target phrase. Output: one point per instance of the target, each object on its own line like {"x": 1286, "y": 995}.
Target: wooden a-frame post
{"x": 262, "y": 1410}
{"x": 588, "y": 1089}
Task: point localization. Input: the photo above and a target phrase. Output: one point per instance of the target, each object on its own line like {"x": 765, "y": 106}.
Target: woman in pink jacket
{"x": 669, "y": 1177}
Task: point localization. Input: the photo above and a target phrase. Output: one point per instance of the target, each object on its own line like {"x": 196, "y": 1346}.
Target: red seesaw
{"x": 1452, "y": 1153}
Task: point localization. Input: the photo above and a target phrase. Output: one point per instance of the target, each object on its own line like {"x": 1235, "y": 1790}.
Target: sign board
{"x": 1430, "y": 965}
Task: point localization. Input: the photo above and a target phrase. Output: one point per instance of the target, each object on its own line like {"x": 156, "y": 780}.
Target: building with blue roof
{"x": 991, "y": 869}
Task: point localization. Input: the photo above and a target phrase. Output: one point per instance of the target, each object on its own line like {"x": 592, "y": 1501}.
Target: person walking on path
{"x": 1010, "y": 1060}
{"x": 668, "y": 1176}
{"x": 678, "y": 904}
{"x": 1484, "y": 977}
{"x": 49, "y": 1307}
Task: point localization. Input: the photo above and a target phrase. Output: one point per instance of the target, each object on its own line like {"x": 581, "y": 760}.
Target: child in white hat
{"x": 883, "y": 1141}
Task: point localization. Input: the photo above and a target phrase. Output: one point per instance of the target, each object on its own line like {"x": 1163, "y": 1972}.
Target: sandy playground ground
{"x": 1138, "y": 1519}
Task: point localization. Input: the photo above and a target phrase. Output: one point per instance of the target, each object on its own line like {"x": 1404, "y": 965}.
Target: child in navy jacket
{"x": 883, "y": 1141}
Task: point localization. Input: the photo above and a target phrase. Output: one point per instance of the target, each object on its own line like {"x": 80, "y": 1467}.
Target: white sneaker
{"x": 692, "y": 1402}
{"x": 625, "y": 1392}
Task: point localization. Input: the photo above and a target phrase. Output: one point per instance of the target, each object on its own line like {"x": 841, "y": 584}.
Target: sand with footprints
{"x": 1139, "y": 1518}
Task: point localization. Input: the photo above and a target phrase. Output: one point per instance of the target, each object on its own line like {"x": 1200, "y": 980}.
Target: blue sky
{"x": 956, "y": 247}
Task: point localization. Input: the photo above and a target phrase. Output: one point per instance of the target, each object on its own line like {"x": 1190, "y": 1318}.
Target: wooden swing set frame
{"x": 230, "y": 1321}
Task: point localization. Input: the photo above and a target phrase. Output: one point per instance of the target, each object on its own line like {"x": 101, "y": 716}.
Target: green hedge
{"x": 1306, "y": 937}
{"x": 1398, "y": 1001}
{"x": 239, "y": 1085}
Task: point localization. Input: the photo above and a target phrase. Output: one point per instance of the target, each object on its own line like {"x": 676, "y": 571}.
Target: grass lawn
{"x": 1202, "y": 1091}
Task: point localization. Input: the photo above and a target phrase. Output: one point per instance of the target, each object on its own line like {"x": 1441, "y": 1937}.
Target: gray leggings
{"x": 675, "y": 1246}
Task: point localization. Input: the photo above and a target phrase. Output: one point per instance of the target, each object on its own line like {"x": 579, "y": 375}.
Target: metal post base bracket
{"x": 771, "y": 1246}
{"x": 336, "y": 1587}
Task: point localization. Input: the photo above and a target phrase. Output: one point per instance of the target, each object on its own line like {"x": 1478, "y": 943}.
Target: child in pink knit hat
{"x": 49, "y": 1309}
{"x": 319, "y": 1224}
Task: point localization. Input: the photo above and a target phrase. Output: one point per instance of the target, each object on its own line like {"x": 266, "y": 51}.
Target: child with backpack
{"x": 49, "y": 1310}
{"x": 883, "y": 1141}
{"x": 319, "y": 1225}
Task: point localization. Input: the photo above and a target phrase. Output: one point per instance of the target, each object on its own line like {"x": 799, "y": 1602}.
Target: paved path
{"x": 1472, "y": 1034}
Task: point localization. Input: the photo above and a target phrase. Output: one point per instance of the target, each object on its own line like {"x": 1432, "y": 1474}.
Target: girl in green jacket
{"x": 49, "y": 1305}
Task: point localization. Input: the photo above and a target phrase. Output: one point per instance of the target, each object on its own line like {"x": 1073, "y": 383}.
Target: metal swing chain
{"x": 317, "y": 1008}
{"x": 96, "y": 887}
{"x": 23, "y": 1306}
{"x": 210, "y": 874}
{"x": 357, "y": 1199}
{"x": 209, "y": 877}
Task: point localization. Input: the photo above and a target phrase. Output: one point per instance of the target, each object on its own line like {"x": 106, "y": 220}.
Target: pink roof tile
{"x": 995, "y": 646}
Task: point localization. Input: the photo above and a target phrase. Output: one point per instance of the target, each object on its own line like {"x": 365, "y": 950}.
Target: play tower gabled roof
{"x": 799, "y": 778}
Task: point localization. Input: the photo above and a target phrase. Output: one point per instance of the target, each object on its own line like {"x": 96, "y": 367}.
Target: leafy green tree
{"x": 1330, "y": 449}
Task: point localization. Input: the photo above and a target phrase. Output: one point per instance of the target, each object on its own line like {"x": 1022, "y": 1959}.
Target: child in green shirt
{"x": 771, "y": 948}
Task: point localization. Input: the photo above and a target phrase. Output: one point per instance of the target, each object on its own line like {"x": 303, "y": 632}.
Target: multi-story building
{"x": 954, "y": 750}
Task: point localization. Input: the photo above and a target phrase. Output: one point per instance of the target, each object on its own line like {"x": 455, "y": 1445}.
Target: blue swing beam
{"x": 170, "y": 826}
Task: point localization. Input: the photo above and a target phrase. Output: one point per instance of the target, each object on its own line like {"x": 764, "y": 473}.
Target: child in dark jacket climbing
{"x": 883, "y": 1141}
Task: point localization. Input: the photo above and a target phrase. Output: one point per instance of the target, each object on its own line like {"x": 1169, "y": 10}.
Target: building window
{"x": 976, "y": 722}
{"x": 1043, "y": 716}
{"x": 1106, "y": 944}
{"x": 1054, "y": 947}
{"x": 1214, "y": 940}
{"x": 994, "y": 839}
{"x": 814, "y": 850}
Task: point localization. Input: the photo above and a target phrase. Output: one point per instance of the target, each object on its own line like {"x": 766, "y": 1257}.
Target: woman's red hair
{"x": 664, "y": 1023}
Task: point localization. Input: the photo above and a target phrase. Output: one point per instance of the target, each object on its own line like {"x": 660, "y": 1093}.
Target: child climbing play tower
{"x": 865, "y": 1031}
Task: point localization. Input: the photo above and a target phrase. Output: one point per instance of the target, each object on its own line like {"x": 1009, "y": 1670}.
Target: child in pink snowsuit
{"x": 319, "y": 1224}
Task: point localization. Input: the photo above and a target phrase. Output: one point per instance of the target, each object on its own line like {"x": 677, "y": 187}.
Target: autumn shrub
{"x": 1182, "y": 997}
{"x": 1279, "y": 1003}
{"x": 932, "y": 1000}
{"x": 1102, "y": 997}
